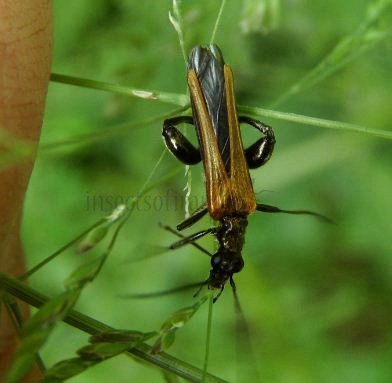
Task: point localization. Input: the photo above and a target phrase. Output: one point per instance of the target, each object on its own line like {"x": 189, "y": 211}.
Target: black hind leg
{"x": 177, "y": 143}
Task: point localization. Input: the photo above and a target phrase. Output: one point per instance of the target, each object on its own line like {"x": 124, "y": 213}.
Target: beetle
{"x": 229, "y": 191}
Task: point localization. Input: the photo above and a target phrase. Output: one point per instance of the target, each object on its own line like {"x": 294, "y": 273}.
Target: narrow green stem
{"x": 217, "y": 21}
{"x": 112, "y": 131}
{"x": 92, "y": 326}
{"x": 208, "y": 337}
{"x": 182, "y": 100}
{"x": 170, "y": 98}
{"x": 314, "y": 121}
{"x": 178, "y": 25}
{"x": 60, "y": 250}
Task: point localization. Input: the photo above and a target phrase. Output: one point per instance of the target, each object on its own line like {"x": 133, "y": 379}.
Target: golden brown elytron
{"x": 229, "y": 190}
{"x": 227, "y": 193}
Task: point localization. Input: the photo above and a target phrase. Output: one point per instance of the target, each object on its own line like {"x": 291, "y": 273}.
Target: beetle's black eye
{"x": 216, "y": 260}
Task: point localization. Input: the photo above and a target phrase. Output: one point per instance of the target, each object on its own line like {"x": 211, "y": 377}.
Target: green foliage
{"x": 317, "y": 297}
{"x": 105, "y": 342}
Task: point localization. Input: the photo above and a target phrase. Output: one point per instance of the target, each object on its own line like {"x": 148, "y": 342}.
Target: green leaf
{"x": 176, "y": 321}
{"x": 93, "y": 238}
{"x": 98, "y": 233}
{"x": 85, "y": 273}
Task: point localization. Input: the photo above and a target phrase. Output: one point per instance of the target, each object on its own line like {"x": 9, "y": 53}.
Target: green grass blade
{"x": 61, "y": 250}
{"x": 110, "y": 132}
{"x": 314, "y": 121}
{"x": 217, "y": 21}
{"x": 170, "y": 98}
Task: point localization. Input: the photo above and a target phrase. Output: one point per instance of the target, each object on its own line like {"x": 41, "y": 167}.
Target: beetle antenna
{"x": 165, "y": 292}
{"x": 243, "y": 342}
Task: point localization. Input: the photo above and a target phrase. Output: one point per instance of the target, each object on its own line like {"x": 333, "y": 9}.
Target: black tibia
{"x": 196, "y": 216}
{"x": 274, "y": 209}
{"x": 177, "y": 143}
{"x": 168, "y": 228}
{"x": 260, "y": 152}
{"x": 193, "y": 237}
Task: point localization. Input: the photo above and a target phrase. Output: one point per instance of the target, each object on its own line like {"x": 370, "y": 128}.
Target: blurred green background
{"x": 317, "y": 297}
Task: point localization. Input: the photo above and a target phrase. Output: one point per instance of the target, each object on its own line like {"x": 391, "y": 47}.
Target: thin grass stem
{"x": 217, "y": 21}
{"x": 170, "y": 98}
{"x": 314, "y": 121}
{"x": 208, "y": 335}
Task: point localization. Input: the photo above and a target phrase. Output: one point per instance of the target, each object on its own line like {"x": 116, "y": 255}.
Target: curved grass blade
{"x": 110, "y": 132}
{"x": 367, "y": 36}
{"x": 217, "y": 21}
{"x": 61, "y": 250}
{"x": 89, "y": 237}
{"x": 92, "y": 326}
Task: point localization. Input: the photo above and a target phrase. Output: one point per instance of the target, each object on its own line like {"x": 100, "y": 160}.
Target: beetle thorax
{"x": 231, "y": 235}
